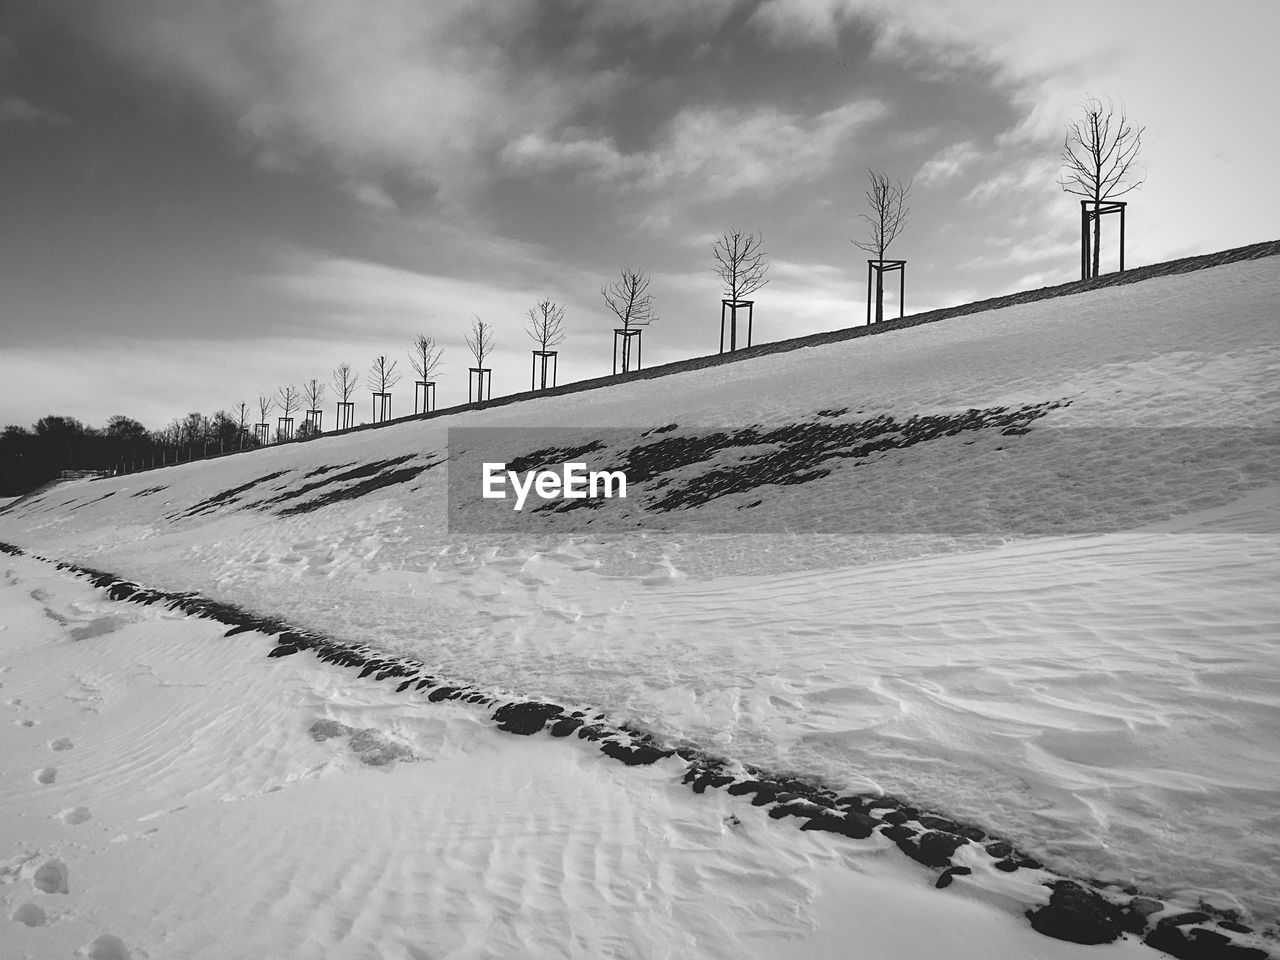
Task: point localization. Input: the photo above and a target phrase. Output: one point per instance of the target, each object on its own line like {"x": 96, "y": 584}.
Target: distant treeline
{"x": 36, "y": 455}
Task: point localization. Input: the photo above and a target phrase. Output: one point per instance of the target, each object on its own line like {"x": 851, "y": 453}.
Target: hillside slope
{"x": 1019, "y": 566}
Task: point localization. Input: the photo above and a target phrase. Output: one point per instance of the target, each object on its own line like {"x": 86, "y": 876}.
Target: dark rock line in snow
{"x": 1079, "y": 909}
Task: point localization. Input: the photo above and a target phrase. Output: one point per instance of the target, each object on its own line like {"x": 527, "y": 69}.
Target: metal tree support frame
{"x": 316, "y": 419}
{"x": 262, "y": 431}
{"x": 284, "y": 429}
{"x": 1087, "y": 217}
{"x": 479, "y": 378}
{"x": 427, "y": 390}
{"x": 623, "y": 336}
{"x": 880, "y": 268}
{"x": 543, "y": 358}
{"x": 381, "y": 407}
{"x": 346, "y": 414}
{"x": 729, "y": 311}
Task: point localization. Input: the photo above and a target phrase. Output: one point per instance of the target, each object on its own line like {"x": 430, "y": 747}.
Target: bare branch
{"x": 741, "y": 264}
{"x": 1099, "y": 153}
{"x": 313, "y": 392}
{"x": 888, "y": 216}
{"x": 629, "y": 299}
{"x": 382, "y": 375}
{"x": 287, "y": 399}
{"x": 344, "y": 381}
{"x": 480, "y": 341}
{"x": 426, "y": 357}
{"x": 546, "y": 324}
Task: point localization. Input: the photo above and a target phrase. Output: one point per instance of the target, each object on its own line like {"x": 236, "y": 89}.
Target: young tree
{"x": 628, "y": 298}
{"x": 546, "y": 324}
{"x": 264, "y": 407}
{"x": 741, "y": 264}
{"x": 240, "y": 412}
{"x": 343, "y": 379}
{"x": 382, "y": 377}
{"x": 426, "y": 357}
{"x": 1097, "y": 156}
{"x": 888, "y": 202}
{"x": 344, "y": 382}
{"x": 313, "y": 392}
{"x": 480, "y": 340}
{"x": 288, "y": 400}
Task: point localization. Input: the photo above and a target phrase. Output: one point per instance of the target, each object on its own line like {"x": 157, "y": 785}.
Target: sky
{"x": 201, "y": 203}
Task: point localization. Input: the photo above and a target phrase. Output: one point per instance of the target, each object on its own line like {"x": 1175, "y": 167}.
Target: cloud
{"x": 1034, "y": 174}
{"x": 658, "y": 18}
{"x": 948, "y": 164}
{"x": 719, "y": 151}
{"x": 426, "y": 89}
{"x": 15, "y": 109}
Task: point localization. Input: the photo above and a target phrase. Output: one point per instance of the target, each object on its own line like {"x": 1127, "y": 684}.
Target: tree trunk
{"x": 1097, "y": 237}
{"x": 879, "y": 296}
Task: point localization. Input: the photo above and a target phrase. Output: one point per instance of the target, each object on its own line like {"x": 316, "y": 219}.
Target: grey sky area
{"x": 200, "y": 202}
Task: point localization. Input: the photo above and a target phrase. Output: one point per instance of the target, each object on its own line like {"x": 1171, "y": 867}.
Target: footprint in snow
{"x": 29, "y": 914}
{"x": 46, "y": 775}
{"x": 62, "y": 743}
{"x": 106, "y": 947}
{"x": 51, "y": 877}
{"x": 75, "y": 815}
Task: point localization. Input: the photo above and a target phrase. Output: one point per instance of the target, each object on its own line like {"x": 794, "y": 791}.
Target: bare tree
{"x": 382, "y": 375}
{"x": 426, "y": 356}
{"x": 344, "y": 382}
{"x": 264, "y": 407}
{"x": 741, "y": 264}
{"x": 288, "y": 399}
{"x": 628, "y": 298}
{"x": 1097, "y": 156}
{"x": 546, "y": 324}
{"x": 888, "y": 202}
{"x": 240, "y": 412}
{"x": 480, "y": 340}
{"x": 313, "y": 392}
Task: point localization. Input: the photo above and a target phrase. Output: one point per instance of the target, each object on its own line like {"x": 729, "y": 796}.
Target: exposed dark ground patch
{"x": 85, "y": 503}
{"x": 227, "y": 496}
{"x": 802, "y": 452}
{"x": 356, "y": 473}
{"x": 355, "y": 491}
{"x": 318, "y": 471}
{"x": 369, "y": 476}
{"x": 1079, "y": 909}
{"x": 149, "y": 491}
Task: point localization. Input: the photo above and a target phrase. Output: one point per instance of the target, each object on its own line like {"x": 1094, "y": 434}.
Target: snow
{"x": 195, "y": 809}
{"x": 1067, "y": 637}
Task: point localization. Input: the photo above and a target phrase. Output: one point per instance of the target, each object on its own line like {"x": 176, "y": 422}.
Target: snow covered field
{"x": 170, "y": 793}
{"x": 1067, "y": 636}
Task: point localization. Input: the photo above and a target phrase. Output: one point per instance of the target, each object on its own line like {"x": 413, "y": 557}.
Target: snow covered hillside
{"x": 1019, "y": 566}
